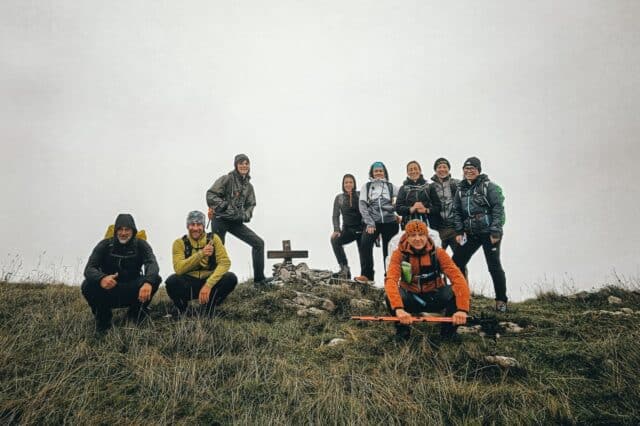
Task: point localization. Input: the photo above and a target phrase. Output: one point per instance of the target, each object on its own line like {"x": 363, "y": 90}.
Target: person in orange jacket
{"x": 415, "y": 284}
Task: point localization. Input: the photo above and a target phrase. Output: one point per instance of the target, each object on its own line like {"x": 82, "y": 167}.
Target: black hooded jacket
{"x": 478, "y": 207}
{"x": 412, "y": 192}
{"x": 131, "y": 260}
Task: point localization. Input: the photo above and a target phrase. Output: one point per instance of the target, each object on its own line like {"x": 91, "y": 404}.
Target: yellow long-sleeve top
{"x": 197, "y": 265}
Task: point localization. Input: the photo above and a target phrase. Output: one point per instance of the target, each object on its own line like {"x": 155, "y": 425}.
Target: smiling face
{"x": 470, "y": 173}
{"x": 413, "y": 171}
{"x": 378, "y": 173}
{"x": 124, "y": 234}
{"x": 348, "y": 184}
{"x": 243, "y": 167}
{"x": 196, "y": 230}
{"x": 442, "y": 171}
{"x": 417, "y": 240}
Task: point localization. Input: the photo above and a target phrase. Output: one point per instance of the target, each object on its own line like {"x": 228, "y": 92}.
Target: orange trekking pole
{"x": 396, "y": 319}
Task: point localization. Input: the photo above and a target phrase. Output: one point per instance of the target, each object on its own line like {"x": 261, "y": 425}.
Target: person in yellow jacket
{"x": 201, "y": 266}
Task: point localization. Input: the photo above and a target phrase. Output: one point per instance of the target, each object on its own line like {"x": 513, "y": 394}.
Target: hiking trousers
{"x": 124, "y": 294}
{"x": 183, "y": 288}
{"x": 243, "y": 233}
{"x": 491, "y": 254}
{"x": 347, "y": 235}
{"x": 437, "y": 300}
{"x": 387, "y": 230}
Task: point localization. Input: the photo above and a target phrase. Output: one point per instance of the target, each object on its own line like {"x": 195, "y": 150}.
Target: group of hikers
{"x": 122, "y": 270}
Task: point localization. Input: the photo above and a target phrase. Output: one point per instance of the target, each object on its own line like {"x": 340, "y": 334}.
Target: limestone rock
{"x": 613, "y": 300}
{"x": 502, "y": 361}
{"x": 511, "y": 327}
{"x": 627, "y": 311}
{"x": 337, "y": 341}
{"x": 361, "y": 303}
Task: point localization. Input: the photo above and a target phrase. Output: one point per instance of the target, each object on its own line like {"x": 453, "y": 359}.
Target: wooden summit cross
{"x": 287, "y": 253}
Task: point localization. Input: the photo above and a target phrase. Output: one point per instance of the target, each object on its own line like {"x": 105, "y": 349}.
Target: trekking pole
{"x": 396, "y": 319}
{"x": 487, "y": 322}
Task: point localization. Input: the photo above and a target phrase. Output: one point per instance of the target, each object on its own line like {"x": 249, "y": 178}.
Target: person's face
{"x": 417, "y": 240}
{"x": 243, "y": 167}
{"x": 378, "y": 173}
{"x": 348, "y": 184}
{"x": 413, "y": 171}
{"x": 470, "y": 173}
{"x": 442, "y": 171}
{"x": 195, "y": 230}
{"x": 124, "y": 234}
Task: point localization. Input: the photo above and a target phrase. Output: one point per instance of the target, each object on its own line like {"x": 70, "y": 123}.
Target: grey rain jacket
{"x": 446, "y": 191}
{"x": 232, "y": 197}
{"x": 377, "y": 205}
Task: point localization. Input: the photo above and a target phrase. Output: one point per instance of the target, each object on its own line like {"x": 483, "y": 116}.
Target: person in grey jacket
{"x": 122, "y": 271}
{"x": 478, "y": 218}
{"x": 231, "y": 200}
{"x": 445, "y": 187}
{"x": 377, "y": 198}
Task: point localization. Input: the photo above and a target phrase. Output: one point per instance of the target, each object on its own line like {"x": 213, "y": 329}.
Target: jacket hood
{"x": 481, "y": 178}
{"x": 386, "y": 173}
{"x": 405, "y": 247}
{"x": 419, "y": 181}
{"x": 237, "y": 175}
{"x": 124, "y": 219}
{"x": 435, "y": 178}
{"x": 349, "y": 175}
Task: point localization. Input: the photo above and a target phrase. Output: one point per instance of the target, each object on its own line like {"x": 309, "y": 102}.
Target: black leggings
{"x": 387, "y": 230}
{"x": 243, "y": 233}
{"x": 491, "y": 254}
{"x": 347, "y": 235}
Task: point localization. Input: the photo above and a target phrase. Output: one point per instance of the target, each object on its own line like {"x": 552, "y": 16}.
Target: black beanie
{"x": 441, "y": 160}
{"x": 239, "y": 159}
{"x": 474, "y": 162}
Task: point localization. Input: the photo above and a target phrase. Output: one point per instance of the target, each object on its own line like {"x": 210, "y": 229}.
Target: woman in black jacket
{"x": 346, "y": 204}
{"x": 416, "y": 198}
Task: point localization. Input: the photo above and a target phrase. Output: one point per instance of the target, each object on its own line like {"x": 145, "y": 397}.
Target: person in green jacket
{"x": 201, "y": 266}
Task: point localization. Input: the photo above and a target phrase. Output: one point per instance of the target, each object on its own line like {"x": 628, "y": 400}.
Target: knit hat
{"x": 416, "y": 225}
{"x": 239, "y": 159}
{"x": 441, "y": 160}
{"x": 195, "y": 217}
{"x": 473, "y": 162}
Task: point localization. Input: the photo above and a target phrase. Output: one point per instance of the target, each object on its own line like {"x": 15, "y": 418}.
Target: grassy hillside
{"x": 258, "y": 362}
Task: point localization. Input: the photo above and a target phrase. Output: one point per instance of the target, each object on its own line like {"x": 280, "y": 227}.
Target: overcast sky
{"x": 138, "y": 106}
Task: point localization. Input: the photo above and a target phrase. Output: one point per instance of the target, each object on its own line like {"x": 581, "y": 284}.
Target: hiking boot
{"x": 501, "y": 306}
{"x": 137, "y": 315}
{"x": 103, "y": 320}
{"x": 344, "y": 273}
{"x": 362, "y": 279}
{"x": 263, "y": 283}
{"x": 403, "y": 332}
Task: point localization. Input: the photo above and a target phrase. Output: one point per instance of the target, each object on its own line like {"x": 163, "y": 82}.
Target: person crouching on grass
{"x": 201, "y": 266}
{"x": 122, "y": 271}
{"x": 414, "y": 282}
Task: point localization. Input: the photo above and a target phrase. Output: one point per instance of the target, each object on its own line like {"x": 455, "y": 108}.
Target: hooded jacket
{"x": 478, "y": 207}
{"x": 131, "y": 260}
{"x": 232, "y": 197}
{"x": 421, "y": 260}
{"x": 376, "y": 204}
{"x": 446, "y": 191}
{"x": 412, "y": 192}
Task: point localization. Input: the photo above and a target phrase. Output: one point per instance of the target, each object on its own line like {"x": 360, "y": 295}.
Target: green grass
{"x": 259, "y": 363}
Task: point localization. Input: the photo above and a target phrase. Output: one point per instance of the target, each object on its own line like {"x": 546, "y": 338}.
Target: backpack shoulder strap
{"x": 188, "y": 248}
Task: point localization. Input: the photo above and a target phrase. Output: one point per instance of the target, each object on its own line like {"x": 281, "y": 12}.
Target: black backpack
{"x": 188, "y": 249}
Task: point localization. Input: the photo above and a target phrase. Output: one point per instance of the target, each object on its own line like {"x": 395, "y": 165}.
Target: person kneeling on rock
{"x": 201, "y": 266}
{"x": 415, "y": 284}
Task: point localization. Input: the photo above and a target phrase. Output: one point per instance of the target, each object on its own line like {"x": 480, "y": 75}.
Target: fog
{"x": 137, "y": 107}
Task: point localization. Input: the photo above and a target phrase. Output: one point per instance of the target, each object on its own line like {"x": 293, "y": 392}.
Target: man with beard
{"x": 122, "y": 271}
{"x": 201, "y": 268}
